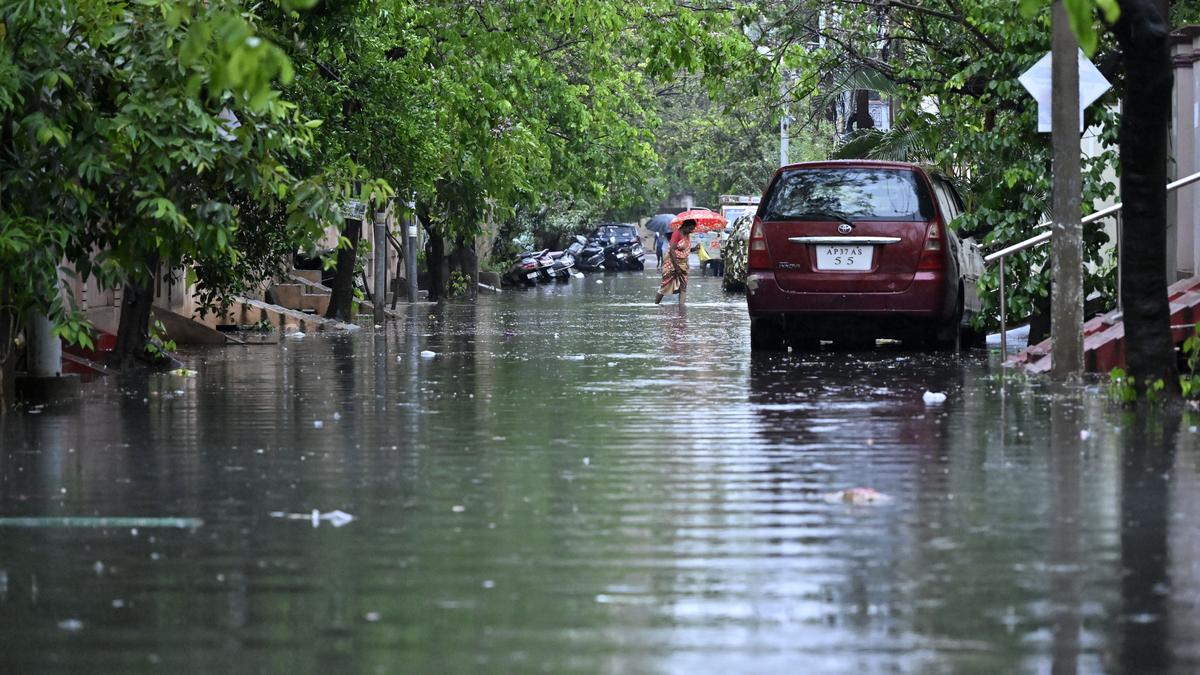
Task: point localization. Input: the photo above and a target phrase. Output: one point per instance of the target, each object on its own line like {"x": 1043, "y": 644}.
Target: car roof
{"x": 852, "y": 163}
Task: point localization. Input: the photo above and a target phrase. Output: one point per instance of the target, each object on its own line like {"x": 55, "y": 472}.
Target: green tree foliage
{"x": 134, "y": 135}
{"x": 728, "y": 145}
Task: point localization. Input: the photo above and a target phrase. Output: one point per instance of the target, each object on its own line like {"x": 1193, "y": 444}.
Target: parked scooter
{"x": 624, "y": 257}
{"x": 561, "y": 264}
{"x": 565, "y": 262}
{"x": 530, "y": 268}
{"x": 591, "y": 256}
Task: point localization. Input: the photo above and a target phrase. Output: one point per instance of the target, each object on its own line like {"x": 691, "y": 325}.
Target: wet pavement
{"x": 580, "y": 481}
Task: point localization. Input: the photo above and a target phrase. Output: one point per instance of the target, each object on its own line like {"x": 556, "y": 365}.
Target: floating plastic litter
{"x": 336, "y": 518}
{"x": 858, "y": 495}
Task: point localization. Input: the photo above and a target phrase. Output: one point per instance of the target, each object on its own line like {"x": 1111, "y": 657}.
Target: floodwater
{"x": 581, "y": 481}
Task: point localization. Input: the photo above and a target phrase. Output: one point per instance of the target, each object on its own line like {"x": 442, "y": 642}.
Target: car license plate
{"x": 531, "y": 275}
{"x": 857, "y": 257}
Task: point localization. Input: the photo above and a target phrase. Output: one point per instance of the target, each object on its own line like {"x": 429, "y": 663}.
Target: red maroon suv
{"x": 856, "y": 250}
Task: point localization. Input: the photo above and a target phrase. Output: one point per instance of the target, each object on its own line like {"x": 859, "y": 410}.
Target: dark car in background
{"x": 621, "y": 245}
{"x": 616, "y": 233}
{"x": 856, "y": 250}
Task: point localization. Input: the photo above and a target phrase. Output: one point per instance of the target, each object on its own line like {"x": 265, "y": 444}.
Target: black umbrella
{"x": 660, "y": 223}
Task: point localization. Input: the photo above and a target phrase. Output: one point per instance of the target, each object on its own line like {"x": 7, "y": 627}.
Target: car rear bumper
{"x": 927, "y": 297}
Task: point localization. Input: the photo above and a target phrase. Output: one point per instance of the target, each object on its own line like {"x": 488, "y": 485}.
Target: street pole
{"x": 784, "y": 123}
{"x": 410, "y": 250}
{"x": 380, "y": 247}
{"x": 1066, "y": 296}
{"x": 45, "y": 349}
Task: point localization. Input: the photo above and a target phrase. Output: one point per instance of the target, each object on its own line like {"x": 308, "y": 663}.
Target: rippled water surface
{"x": 580, "y": 481}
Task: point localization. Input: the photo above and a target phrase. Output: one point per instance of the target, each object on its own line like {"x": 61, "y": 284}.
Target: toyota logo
{"x": 844, "y": 228}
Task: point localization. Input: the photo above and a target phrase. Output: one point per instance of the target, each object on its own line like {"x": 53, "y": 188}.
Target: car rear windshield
{"x": 857, "y": 193}
{"x": 622, "y": 231}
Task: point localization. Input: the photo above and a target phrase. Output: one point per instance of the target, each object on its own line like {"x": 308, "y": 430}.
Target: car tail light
{"x": 932, "y": 257}
{"x": 758, "y": 257}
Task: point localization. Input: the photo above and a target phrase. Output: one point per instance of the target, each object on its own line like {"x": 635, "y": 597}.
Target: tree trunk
{"x": 1142, "y": 34}
{"x": 470, "y": 268}
{"x": 341, "y": 296}
{"x": 862, "y": 110}
{"x": 133, "y": 331}
{"x": 465, "y": 262}
{"x": 8, "y": 359}
{"x": 439, "y": 272}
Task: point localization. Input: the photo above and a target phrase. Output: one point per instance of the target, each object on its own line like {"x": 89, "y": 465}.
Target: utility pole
{"x": 380, "y": 248}
{"x": 1066, "y": 296}
{"x": 785, "y": 121}
{"x": 410, "y": 249}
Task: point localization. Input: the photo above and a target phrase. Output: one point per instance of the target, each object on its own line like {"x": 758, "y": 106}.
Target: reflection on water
{"x": 579, "y": 480}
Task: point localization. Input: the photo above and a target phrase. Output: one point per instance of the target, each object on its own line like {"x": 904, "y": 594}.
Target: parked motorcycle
{"x": 624, "y": 257}
{"x": 561, "y": 264}
{"x": 530, "y": 268}
{"x": 591, "y": 255}
{"x": 565, "y": 262}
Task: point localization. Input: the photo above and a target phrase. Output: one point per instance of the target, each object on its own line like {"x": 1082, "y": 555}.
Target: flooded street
{"x": 578, "y": 480}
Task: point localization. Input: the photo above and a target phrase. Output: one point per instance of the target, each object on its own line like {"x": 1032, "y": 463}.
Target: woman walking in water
{"x": 675, "y": 263}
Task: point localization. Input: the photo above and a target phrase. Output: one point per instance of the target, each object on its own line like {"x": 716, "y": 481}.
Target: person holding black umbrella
{"x": 660, "y": 225}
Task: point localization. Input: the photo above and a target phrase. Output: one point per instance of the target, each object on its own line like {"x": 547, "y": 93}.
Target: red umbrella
{"x": 706, "y": 221}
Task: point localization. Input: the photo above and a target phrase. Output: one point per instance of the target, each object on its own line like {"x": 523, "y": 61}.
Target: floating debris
{"x": 428, "y": 354}
{"x": 71, "y": 625}
{"x": 933, "y": 397}
{"x": 183, "y": 372}
{"x": 318, "y": 424}
{"x": 336, "y": 518}
{"x": 858, "y": 496}
{"x": 298, "y": 334}
{"x": 1084, "y": 434}
{"x": 101, "y": 522}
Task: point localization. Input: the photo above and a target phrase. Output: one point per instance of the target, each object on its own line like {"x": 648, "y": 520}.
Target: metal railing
{"x": 1044, "y": 237}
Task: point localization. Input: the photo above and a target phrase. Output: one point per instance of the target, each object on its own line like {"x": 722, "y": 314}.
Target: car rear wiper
{"x": 827, "y": 215}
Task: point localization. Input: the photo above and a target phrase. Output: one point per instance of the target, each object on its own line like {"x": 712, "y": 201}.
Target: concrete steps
{"x": 248, "y": 312}
{"x": 303, "y": 293}
{"x": 1104, "y": 336}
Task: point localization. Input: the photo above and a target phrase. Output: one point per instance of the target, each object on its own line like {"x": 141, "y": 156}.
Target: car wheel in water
{"x": 947, "y": 335}
{"x": 766, "y": 335}
{"x": 972, "y": 337}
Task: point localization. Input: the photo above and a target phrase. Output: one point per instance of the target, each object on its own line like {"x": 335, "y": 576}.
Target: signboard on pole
{"x": 1037, "y": 81}
{"x": 354, "y": 209}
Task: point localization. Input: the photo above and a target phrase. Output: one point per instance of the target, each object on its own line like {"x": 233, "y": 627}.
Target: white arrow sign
{"x": 1036, "y": 81}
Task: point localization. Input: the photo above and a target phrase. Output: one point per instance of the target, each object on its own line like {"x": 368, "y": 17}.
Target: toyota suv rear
{"x": 858, "y": 250}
